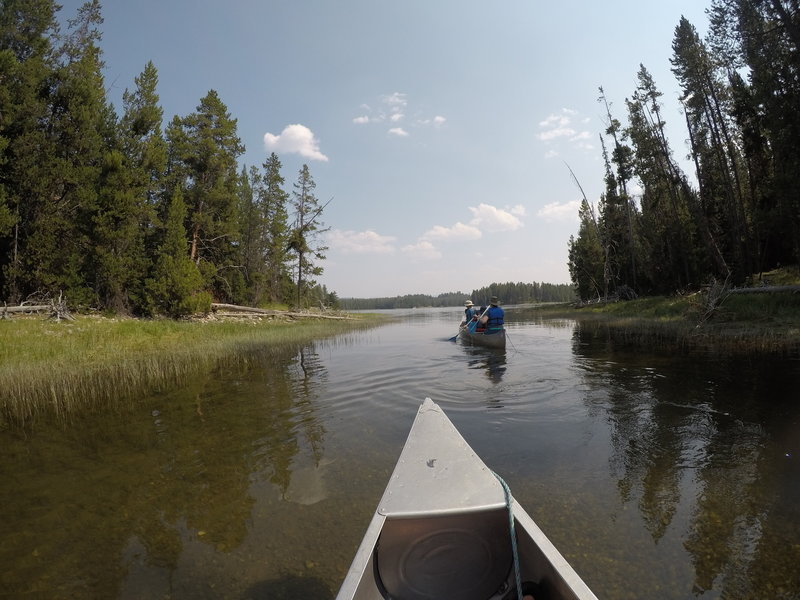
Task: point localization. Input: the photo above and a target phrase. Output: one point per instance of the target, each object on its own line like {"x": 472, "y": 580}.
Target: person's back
{"x": 494, "y": 317}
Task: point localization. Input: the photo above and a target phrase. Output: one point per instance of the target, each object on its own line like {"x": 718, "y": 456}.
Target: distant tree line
{"x": 654, "y": 231}
{"x": 120, "y": 214}
{"x": 407, "y": 301}
{"x": 508, "y": 293}
{"x": 524, "y": 293}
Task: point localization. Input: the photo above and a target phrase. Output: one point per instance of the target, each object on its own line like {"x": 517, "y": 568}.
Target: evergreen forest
{"x": 121, "y": 213}
{"x": 508, "y": 293}
{"x": 659, "y": 230}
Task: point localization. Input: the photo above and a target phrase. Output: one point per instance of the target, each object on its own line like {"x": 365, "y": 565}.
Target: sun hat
{"x": 468, "y": 303}
{"x": 493, "y": 300}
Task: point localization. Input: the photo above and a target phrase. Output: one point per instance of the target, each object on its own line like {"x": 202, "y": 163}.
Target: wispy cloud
{"x": 459, "y": 231}
{"x": 565, "y": 125}
{"x": 393, "y": 109}
{"x": 422, "y": 250}
{"x": 485, "y": 218}
{"x": 360, "y": 242}
{"x": 556, "y": 211}
{"x": 295, "y": 139}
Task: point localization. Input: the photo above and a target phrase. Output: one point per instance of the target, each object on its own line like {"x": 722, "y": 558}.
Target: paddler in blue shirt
{"x": 493, "y": 318}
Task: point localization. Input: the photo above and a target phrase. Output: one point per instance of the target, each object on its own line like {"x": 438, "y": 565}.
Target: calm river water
{"x": 657, "y": 476}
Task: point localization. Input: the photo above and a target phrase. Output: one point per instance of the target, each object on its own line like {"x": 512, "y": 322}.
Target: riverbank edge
{"x": 56, "y": 369}
{"x": 750, "y": 324}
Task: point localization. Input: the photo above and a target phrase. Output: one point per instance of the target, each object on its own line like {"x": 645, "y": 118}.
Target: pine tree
{"x": 716, "y": 148}
{"x": 250, "y": 226}
{"x": 664, "y": 220}
{"x": 304, "y": 239}
{"x": 762, "y": 38}
{"x": 587, "y": 262}
{"x": 274, "y": 201}
{"x": 204, "y": 148}
{"x": 174, "y": 288}
{"x": 82, "y": 126}
{"x": 27, "y": 68}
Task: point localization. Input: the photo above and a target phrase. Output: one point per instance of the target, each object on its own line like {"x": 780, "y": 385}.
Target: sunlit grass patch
{"x": 59, "y": 367}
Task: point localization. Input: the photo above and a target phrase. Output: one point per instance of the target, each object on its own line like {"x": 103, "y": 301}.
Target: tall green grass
{"x": 57, "y": 368}
{"x": 741, "y": 324}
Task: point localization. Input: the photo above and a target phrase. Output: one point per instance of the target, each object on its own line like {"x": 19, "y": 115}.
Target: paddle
{"x": 455, "y": 337}
{"x": 473, "y": 324}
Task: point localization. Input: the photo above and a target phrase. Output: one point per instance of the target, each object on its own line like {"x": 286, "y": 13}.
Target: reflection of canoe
{"x": 490, "y": 340}
{"x": 442, "y": 530}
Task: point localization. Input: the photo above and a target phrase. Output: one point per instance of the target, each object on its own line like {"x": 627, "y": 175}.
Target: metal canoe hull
{"x": 492, "y": 340}
{"x": 432, "y": 537}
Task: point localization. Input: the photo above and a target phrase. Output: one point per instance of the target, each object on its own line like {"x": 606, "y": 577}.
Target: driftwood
{"x": 57, "y": 308}
{"x": 234, "y": 310}
{"x": 31, "y": 308}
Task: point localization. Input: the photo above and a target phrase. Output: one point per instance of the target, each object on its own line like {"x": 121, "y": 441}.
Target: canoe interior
{"x": 463, "y": 553}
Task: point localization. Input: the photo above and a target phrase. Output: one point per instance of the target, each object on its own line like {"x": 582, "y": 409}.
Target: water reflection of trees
{"x": 709, "y": 436}
{"x": 84, "y": 504}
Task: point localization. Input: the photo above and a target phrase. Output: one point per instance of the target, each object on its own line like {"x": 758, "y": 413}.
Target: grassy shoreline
{"x": 740, "y": 324}
{"x": 57, "y": 368}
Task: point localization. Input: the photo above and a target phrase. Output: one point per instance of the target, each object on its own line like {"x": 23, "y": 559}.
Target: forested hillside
{"x": 121, "y": 213}
{"x": 658, "y": 229}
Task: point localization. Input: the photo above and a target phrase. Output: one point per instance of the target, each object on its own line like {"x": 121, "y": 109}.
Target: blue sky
{"x": 439, "y": 129}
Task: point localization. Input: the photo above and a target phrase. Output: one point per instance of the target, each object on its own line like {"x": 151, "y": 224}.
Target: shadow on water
{"x": 706, "y": 449}
{"x": 289, "y": 588}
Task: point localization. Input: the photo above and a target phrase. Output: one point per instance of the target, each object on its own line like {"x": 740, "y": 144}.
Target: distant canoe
{"x": 479, "y": 338}
{"x": 442, "y": 530}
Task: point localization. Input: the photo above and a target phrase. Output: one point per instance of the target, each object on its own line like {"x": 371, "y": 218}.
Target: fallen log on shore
{"x": 765, "y": 289}
{"x": 26, "y": 308}
{"x": 58, "y": 310}
{"x": 249, "y": 311}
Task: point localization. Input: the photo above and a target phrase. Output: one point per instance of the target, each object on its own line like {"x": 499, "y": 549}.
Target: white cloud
{"x": 459, "y": 231}
{"x": 556, "y": 211}
{"x": 398, "y": 116}
{"x": 439, "y": 120}
{"x": 362, "y": 119}
{"x": 398, "y": 131}
{"x": 551, "y": 154}
{"x": 397, "y": 99}
{"x": 493, "y": 219}
{"x": 518, "y": 210}
{"x": 563, "y": 125}
{"x": 360, "y": 242}
{"x": 295, "y": 139}
{"x": 422, "y": 251}
{"x": 557, "y": 132}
